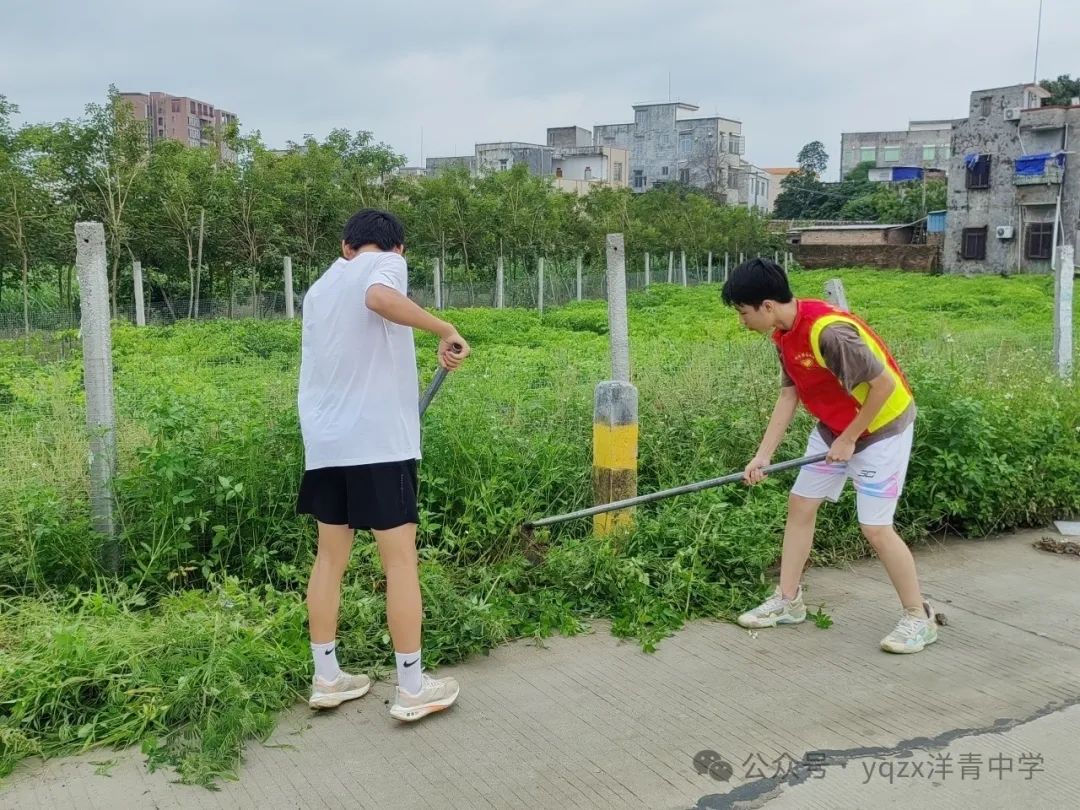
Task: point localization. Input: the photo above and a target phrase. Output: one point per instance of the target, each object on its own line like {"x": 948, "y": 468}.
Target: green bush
{"x": 202, "y": 637}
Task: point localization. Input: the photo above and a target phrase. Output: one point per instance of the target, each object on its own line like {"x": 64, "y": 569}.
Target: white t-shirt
{"x": 359, "y": 391}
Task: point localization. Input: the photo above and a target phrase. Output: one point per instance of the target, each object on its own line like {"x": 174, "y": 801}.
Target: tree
{"x": 813, "y": 158}
{"x": 253, "y": 205}
{"x": 801, "y": 195}
{"x": 1064, "y": 89}
{"x": 29, "y": 217}
{"x": 101, "y": 160}
{"x": 182, "y": 187}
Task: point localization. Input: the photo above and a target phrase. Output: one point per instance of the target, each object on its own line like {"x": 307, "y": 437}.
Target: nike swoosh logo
{"x": 410, "y": 663}
{"x": 328, "y": 652}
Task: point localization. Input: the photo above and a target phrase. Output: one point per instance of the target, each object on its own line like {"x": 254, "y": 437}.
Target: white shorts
{"x": 877, "y": 471}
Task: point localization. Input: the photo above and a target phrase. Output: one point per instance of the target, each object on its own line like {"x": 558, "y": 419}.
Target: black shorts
{"x": 367, "y": 496}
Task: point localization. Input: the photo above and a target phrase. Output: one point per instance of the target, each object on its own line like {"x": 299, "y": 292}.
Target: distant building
{"x": 495, "y": 157}
{"x": 580, "y": 166}
{"x": 702, "y": 152}
{"x": 569, "y": 137}
{"x": 858, "y": 234}
{"x": 753, "y": 187}
{"x": 182, "y": 119}
{"x": 1014, "y": 198}
{"x": 434, "y": 165}
{"x": 776, "y": 177}
{"x": 924, "y": 143}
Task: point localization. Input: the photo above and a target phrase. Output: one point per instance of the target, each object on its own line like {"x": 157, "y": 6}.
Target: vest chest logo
{"x": 805, "y": 359}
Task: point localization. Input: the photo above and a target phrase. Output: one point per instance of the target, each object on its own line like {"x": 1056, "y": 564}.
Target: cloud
{"x": 791, "y": 71}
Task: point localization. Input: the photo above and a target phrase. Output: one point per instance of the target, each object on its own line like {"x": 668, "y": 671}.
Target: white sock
{"x": 408, "y": 672}
{"x": 326, "y": 665}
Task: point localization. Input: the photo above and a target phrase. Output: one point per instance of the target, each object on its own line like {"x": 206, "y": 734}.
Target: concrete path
{"x": 716, "y": 718}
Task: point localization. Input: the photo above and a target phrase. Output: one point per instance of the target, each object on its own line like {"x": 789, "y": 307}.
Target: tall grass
{"x": 202, "y": 638}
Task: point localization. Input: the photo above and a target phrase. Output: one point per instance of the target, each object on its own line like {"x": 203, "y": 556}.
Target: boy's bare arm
{"x": 392, "y": 305}
{"x": 783, "y": 412}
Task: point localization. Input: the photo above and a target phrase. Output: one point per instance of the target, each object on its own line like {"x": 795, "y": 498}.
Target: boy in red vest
{"x": 843, "y": 374}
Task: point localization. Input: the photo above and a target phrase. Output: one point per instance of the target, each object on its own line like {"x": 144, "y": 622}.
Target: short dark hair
{"x": 371, "y": 226}
{"x": 755, "y": 281}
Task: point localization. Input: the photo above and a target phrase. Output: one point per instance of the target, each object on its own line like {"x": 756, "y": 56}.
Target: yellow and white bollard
{"x": 615, "y": 411}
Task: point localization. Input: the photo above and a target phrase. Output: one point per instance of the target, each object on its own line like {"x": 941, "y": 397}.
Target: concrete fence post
{"x": 579, "y": 260}
{"x": 647, "y": 279}
{"x": 500, "y": 281}
{"x": 90, "y": 264}
{"x": 437, "y": 282}
{"x": 1063, "y": 312}
{"x": 615, "y": 419}
{"x": 835, "y": 295}
{"x": 288, "y": 284}
{"x": 140, "y": 300}
{"x": 540, "y": 285}
{"x": 709, "y": 269}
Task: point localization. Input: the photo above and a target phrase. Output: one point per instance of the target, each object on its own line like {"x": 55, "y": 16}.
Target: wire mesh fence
{"x": 561, "y": 286}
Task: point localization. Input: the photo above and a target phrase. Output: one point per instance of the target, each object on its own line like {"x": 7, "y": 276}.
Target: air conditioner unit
{"x": 1004, "y": 231}
{"x": 1012, "y": 113}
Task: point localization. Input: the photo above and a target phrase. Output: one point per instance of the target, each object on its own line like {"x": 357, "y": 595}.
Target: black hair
{"x": 371, "y": 226}
{"x": 755, "y": 281}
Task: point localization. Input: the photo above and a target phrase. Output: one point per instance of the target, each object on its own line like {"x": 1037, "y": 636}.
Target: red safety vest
{"x": 820, "y": 391}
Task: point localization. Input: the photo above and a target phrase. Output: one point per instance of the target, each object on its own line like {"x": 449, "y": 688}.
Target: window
{"x": 618, "y": 172}
{"x": 892, "y": 154}
{"x": 686, "y": 143}
{"x": 1039, "y": 241}
{"x": 639, "y": 118}
{"x": 176, "y": 105}
{"x": 973, "y": 243}
{"x": 736, "y": 144}
{"x": 985, "y": 106}
{"x": 193, "y": 108}
{"x": 929, "y": 152}
{"x": 664, "y": 170}
{"x": 733, "y": 179}
{"x": 867, "y": 154}
{"x": 684, "y": 176}
{"x": 978, "y": 172}
{"x": 503, "y": 163}
{"x": 639, "y": 178}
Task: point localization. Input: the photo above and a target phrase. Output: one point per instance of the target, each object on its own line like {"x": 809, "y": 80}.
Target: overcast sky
{"x": 791, "y": 70}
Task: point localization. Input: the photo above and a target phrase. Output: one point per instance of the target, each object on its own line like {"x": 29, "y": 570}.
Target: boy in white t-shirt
{"x": 359, "y": 416}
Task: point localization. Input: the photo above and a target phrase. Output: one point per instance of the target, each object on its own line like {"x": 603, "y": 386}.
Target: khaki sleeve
{"x": 848, "y": 356}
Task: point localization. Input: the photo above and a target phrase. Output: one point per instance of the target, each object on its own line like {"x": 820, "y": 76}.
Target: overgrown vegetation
{"x": 202, "y": 639}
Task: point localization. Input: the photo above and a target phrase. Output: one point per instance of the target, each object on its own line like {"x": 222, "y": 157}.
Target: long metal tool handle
{"x": 436, "y": 382}
{"x": 432, "y": 389}
{"x": 734, "y": 478}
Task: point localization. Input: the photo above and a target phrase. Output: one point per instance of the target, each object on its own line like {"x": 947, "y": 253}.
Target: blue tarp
{"x": 902, "y": 173}
{"x": 1035, "y": 165}
{"x": 971, "y": 160}
{"x": 935, "y": 222}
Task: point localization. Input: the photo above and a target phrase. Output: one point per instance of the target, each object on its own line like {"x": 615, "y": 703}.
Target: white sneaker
{"x": 775, "y": 610}
{"x": 328, "y": 694}
{"x": 435, "y": 695}
{"x": 912, "y": 634}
